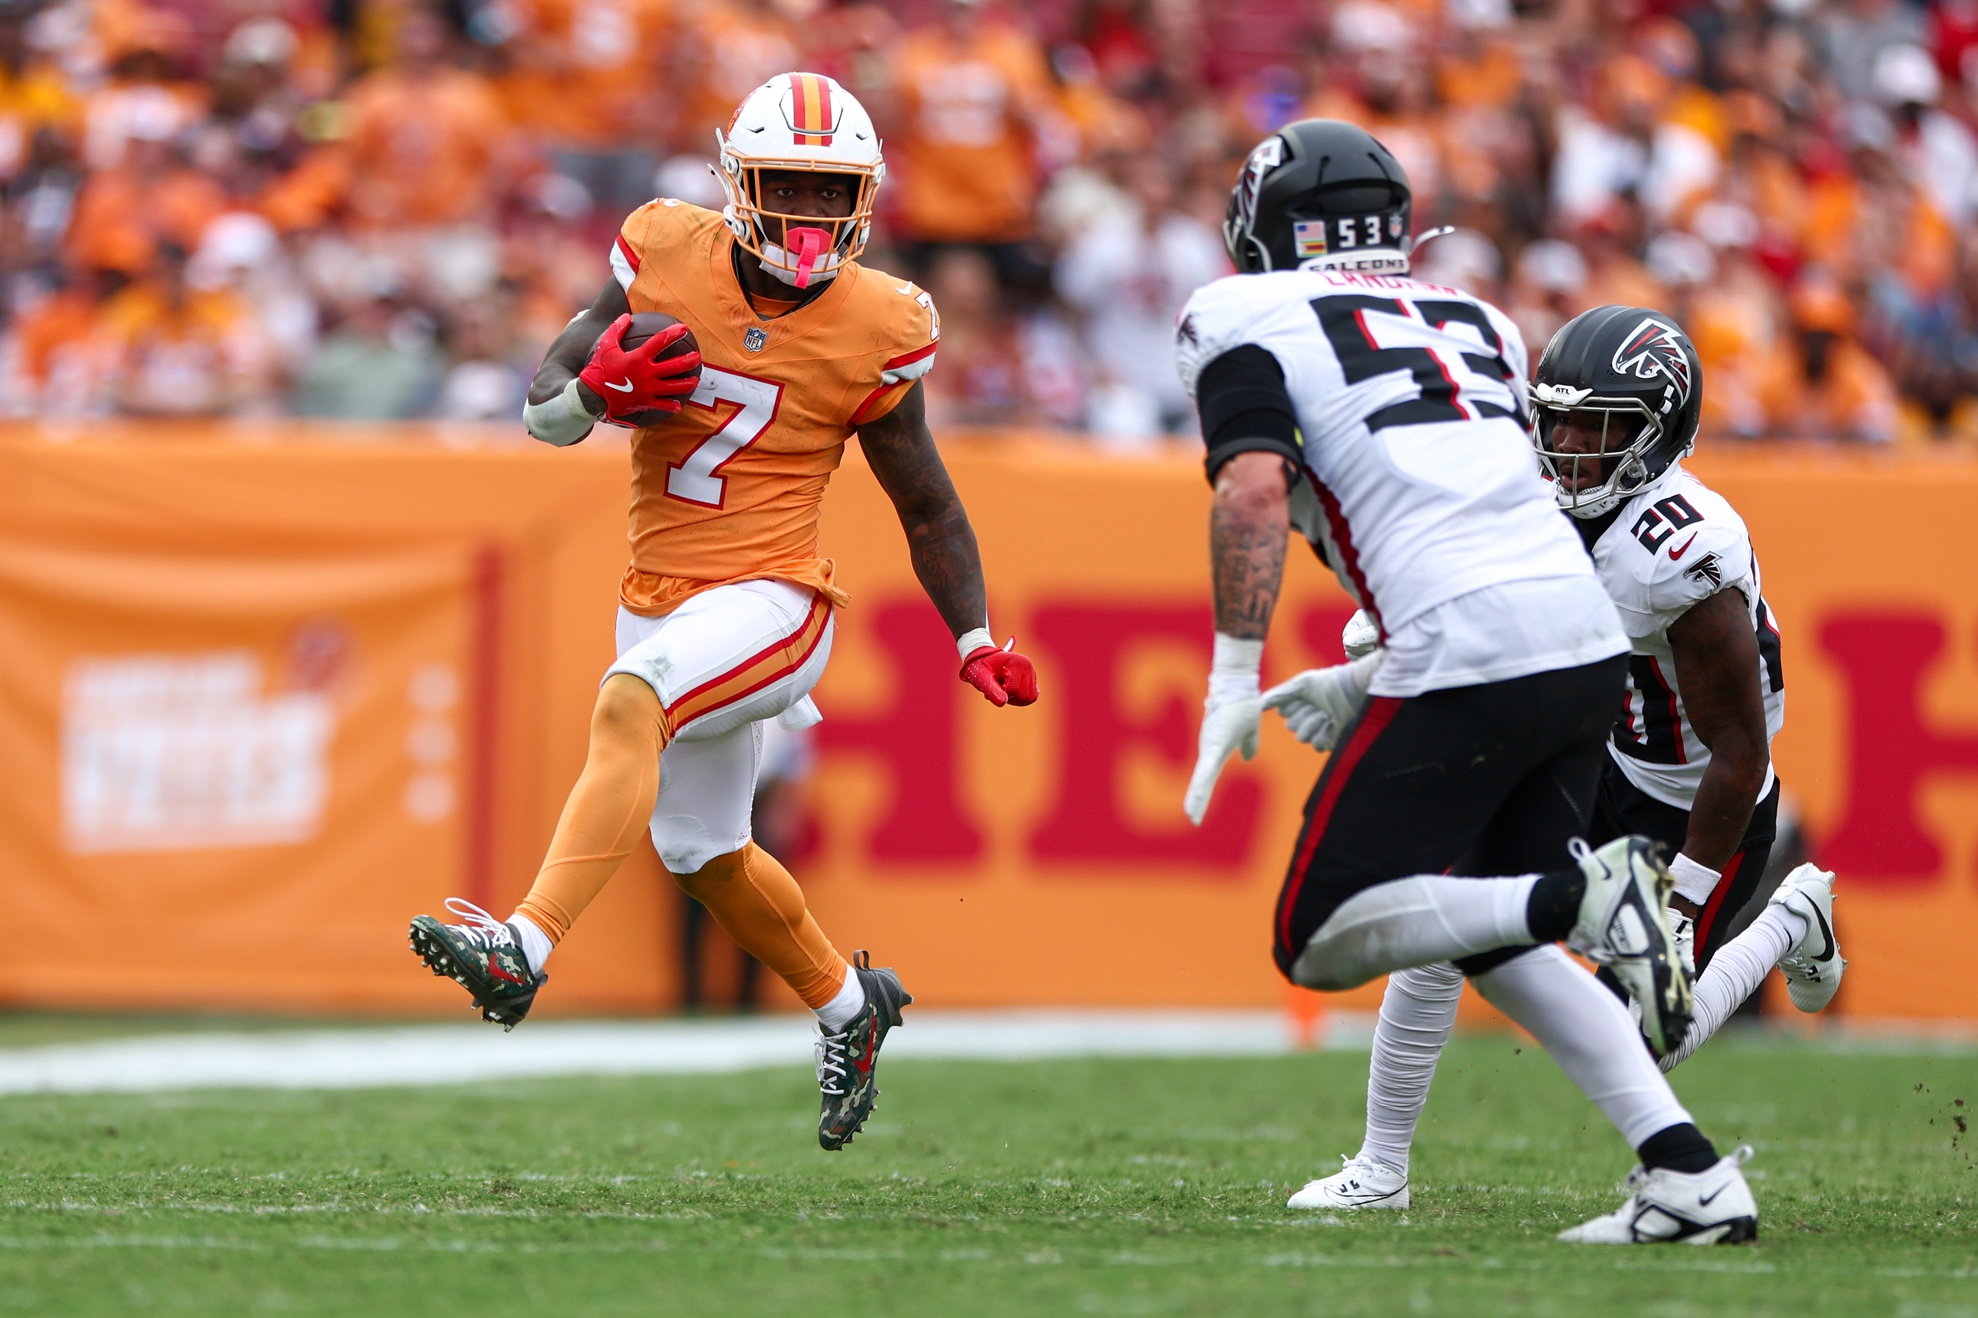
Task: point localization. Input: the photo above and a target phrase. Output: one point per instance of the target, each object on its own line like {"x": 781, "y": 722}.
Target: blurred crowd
{"x": 387, "y": 208}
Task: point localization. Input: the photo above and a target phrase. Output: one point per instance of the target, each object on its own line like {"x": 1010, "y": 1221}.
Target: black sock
{"x": 1680, "y": 1148}
{"x": 1555, "y": 904}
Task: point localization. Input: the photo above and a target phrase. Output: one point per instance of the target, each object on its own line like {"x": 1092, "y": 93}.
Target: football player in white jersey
{"x": 1385, "y": 420}
{"x": 1616, "y": 405}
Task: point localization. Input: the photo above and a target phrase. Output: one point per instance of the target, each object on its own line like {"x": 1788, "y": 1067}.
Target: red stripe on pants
{"x": 1707, "y": 919}
{"x": 1379, "y": 714}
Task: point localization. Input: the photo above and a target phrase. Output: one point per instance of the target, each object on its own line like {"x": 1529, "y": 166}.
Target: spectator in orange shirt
{"x": 145, "y": 49}
{"x": 172, "y": 350}
{"x": 1820, "y": 383}
{"x": 427, "y": 137}
{"x": 970, "y": 93}
{"x": 50, "y": 354}
{"x": 154, "y": 196}
{"x": 588, "y": 80}
{"x": 729, "y": 48}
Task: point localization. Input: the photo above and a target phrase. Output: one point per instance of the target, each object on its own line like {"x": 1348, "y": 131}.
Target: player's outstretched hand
{"x": 1319, "y": 703}
{"x": 635, "y": 381}
{"x": 1003, "y": 676}
{"x": 1227, "y": 728}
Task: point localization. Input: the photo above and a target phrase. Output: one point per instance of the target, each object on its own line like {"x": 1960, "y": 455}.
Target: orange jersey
{"x": 729, "y": 490}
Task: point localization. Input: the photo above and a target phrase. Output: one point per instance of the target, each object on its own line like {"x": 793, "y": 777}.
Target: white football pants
{"x": 723, "y": 662}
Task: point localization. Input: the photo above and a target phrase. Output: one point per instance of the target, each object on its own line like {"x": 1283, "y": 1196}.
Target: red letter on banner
{"x": 1889, "y": 750}
{"x": 1089, "y": 642}
{"x": 916, "y": 739}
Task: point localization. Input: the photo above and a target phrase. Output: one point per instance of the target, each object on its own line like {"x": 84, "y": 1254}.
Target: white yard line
{"x": 454, "y": 1054}
{"x": 373, "y": 1057}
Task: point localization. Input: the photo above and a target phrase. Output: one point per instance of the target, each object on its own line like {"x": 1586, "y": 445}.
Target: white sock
{"x": 836, "y": 1014}
{"x": 1590, "y": 1034}
{"x": 1416, "y": 1015}
{"x": 535, "y": 943}
{"x": 1414, "y": 922}
{"x": 1735, "y": 973}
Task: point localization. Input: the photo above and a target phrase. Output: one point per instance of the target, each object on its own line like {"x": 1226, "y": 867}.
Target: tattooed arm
{"x": 1248, "y": 527}
{"x": 902, "y": 455}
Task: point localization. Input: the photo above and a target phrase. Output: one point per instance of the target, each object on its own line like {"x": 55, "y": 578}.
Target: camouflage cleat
{"x": 483, "y": 956}
{"x": 845, "y": 1059}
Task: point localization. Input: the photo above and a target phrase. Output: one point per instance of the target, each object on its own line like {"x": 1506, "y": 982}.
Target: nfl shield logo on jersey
{"x": 756, "y": 339}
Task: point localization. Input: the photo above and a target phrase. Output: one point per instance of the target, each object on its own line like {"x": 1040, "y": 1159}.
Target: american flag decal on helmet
{"x": 1656, "y": 348}
{"x": 811, "y": 118}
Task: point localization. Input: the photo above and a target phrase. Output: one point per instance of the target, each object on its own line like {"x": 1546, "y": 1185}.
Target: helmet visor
{"x": 1592, "y": 450}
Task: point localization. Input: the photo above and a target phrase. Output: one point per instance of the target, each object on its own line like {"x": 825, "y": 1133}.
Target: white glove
{"x": 1360, "y": 636}
{"x": 1230, "y": 718}
{"x": 1319, "y": 703}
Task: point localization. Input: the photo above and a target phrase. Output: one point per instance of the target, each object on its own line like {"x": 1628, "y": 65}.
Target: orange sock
{"x": 608, "y": 809}
{"x": 753, "y": 897}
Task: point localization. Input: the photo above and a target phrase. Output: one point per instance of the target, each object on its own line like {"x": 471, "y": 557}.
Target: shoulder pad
{"x": 1233, "y": 311}
{"x": 656, "y": 226}
{"x": 892, "y": 318}
{"x": 1674, "y": 546}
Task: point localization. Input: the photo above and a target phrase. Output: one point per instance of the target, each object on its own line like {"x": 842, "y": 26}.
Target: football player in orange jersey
{"x": 725, "y": 617}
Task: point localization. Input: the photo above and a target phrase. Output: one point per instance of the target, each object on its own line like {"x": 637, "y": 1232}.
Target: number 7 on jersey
{"x": 693, "y": 479}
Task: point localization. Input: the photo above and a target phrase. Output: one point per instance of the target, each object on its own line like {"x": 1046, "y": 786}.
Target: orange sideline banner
{"x": 262, "y": 701}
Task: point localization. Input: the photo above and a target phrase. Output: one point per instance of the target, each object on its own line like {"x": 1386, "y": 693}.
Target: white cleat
{"x": 1712, "y": 1207}
{"x": 1813, "y": 965}
{"x": 1361, "y": 1183}
{"x": 1624, "y": 924}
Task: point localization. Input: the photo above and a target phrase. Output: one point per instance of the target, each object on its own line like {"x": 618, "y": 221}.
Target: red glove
{"x": 635, "y": 384}
{"x": 1004, "y": 676}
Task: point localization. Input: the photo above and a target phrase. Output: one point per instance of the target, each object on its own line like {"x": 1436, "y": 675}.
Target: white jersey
{"x": 1420, "y": 488}
{"x": 1669, "y": 548}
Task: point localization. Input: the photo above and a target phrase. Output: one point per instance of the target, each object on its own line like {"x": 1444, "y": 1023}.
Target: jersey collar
{"x": 740, "y": 315}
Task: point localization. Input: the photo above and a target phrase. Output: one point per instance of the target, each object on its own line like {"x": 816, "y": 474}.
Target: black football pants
{"x": 1482, "y": 781}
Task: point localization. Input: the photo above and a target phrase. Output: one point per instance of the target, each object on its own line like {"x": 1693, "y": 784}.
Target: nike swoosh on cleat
{"x": 1825, "y": 933}
{"x": 1703, "y": 1200}
{"x": 625, "y": 388}
{"x": 1684, "y": 548}
{"x": 494, "y": 968}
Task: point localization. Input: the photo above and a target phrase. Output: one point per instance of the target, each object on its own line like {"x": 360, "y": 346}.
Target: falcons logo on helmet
{"x": 1656, "y": 348}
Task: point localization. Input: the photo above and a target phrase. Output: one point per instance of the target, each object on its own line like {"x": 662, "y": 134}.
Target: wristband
{"x": 969, "y": 642}
{"x": 1694, "y": 881}
{"x": 562, "y": 421}
{"x": 1233, "y": 675}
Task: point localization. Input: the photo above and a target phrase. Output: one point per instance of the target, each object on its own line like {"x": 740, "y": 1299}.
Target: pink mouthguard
{"x": 807, "y": 245}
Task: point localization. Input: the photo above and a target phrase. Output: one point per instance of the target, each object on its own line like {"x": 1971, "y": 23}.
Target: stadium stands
{"x": 370, "y": 209}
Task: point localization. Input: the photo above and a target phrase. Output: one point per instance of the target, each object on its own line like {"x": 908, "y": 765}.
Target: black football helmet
{"x": 1633, "y": 375}
{"x": 1320, "y": 193}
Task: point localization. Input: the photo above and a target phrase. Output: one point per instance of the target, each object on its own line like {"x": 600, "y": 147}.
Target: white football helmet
{"x": 799, "y": 121}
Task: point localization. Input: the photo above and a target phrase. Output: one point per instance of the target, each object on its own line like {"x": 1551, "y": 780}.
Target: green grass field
{"x": 1085, "y": 1188}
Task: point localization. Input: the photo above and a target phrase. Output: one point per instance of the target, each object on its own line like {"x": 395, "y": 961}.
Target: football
{"x": 645, "y": 324}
